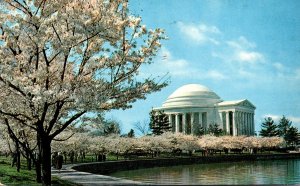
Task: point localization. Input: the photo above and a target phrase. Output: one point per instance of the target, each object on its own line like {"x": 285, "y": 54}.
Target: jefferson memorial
{"x": 193, "y": 106}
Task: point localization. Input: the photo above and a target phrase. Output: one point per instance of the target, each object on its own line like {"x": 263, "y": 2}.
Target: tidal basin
{"x": 234, "y": 173}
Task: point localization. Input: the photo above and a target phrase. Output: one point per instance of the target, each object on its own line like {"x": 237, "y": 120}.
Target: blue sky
{"x": 239, "y": 49}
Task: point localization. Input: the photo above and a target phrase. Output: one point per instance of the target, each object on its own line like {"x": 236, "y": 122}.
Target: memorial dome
{"x": 192, "y": 95}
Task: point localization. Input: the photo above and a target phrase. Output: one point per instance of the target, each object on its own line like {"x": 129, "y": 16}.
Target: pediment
{"x": 247, "y": 104}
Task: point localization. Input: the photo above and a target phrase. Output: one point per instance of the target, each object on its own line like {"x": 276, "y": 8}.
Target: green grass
{"x": 10, "y": 176}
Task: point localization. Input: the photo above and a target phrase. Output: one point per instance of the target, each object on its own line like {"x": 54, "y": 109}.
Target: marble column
{"x": 243, "y": 123}
{"x": 227, "y": 122}
{"x": 184, "y": 123}
{"x": 240, "y": 123}
{"x": 221, "y": 119}
{"x": 234, "y": 128}
{"x": 177, "y": 123}
{"x": 192, "y": 122}
{"x": 252, "y": 124}
{"x": 200, "y": 119}
{"x": 249, "y": 124}
{"x": 246, "y": 123}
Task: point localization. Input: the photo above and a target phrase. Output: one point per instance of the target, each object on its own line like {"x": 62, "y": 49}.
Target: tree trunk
{"x": 29, "y": 163}
{"x": 18, "y": 156}
{"x": 46, "y": 160}
{"x": 28, "y": 159}
{"x": 37, "y": 159}
{"x": 38, "y": 171}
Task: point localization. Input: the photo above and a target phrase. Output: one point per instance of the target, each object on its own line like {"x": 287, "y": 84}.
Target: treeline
{"x": 81, "y": 144}
{"x": 283, "y": 129}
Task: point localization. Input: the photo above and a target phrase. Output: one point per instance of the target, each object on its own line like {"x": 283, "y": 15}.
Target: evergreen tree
{"x": 214, "y": 129}
{"x": 111, "y": 127}
{"x": 291, "y": 136}
{"x": 269, "y": 128}
{"x": 289, "y": 133}
{"x": 159, "y": 122}
{"x": 283, "y": 126}
{"x": 131, "y": 133}
{"x": 199, "y": 131}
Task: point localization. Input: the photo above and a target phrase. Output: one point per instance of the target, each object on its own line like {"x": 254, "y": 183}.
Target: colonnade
{"x": 238, "y": 122}
{"x": 187, "y": 122}
{"x": 234, "y": 122}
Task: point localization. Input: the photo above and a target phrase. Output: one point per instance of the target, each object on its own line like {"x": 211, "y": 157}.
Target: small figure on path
{"x": 72, "y": 154}
{"x": 59, "y": 161}
{"x": 54, "y": 159}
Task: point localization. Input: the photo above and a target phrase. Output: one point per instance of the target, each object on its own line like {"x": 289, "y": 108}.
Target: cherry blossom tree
{"x": 271, "y": 142}
{"x": 5, "y": 142}
{"x": 61, "y": 60}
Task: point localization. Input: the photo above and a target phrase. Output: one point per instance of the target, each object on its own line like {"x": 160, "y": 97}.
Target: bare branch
{"x": 67, "y": 123}
{"x": 57, "y": 35}
{"x": 65, "y": 138}
{"x": 54, "y": 119}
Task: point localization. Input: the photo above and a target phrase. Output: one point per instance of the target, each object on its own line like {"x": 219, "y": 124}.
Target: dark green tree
{"x": 289, "y": 133}
{"x": 283, "y": 126}
{"x": 159, "y": 122}
{"x": 214, "y": 129}
{"x": 99, "y": 125}
{"x": 269, "y": 128}
{"x": 111, "y": 127}
{"x": 199, "y": 131}
{"x": 131, "y": 133}
{"x": 292, "y": 136}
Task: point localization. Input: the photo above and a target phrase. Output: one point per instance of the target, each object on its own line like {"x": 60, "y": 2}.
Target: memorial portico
{"x": 193, "y": 106}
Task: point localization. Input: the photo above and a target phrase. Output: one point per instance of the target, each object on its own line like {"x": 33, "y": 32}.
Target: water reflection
{"x": 235, "y": 173}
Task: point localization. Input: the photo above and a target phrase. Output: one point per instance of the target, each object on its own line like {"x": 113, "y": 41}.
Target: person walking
{"x": 59, "y": 161}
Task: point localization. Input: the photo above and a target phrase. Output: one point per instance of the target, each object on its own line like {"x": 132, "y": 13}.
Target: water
{"x": 235, "y": 173}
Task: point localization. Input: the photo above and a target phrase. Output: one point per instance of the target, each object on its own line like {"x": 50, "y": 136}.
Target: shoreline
{"x": 106, "y": 168}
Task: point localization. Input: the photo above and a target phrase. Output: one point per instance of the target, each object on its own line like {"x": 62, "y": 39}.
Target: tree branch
{"x": 13, "y": 86}
{"x": 67, "y": 123}
{"x": 65, "y": 138}
{"x": 37, "y": 10}
{"x": 55, "y": 116}
{"x": 15, "y": 116}
{"x": 56, "y": 34}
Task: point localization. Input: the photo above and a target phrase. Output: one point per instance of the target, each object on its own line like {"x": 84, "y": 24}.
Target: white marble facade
{"x": 194, "y": 105}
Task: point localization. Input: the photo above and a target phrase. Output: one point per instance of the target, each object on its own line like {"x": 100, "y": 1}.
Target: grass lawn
{"x": 9, "y": 175}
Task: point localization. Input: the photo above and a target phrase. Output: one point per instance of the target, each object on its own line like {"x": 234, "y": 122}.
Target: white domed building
{"x": 192, "y": 106}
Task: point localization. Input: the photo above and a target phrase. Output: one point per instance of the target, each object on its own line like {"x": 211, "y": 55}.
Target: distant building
{"x": 194, "y": 105}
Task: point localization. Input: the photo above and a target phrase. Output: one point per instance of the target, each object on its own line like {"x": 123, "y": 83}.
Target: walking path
{"x": 89, "y": 179}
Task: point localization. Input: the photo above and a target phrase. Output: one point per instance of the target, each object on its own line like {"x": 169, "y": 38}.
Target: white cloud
{"x": 251, "y": 57}
{"x": 180, "y": 68}
{"x": 241, "y": 43}
{"x": 199, "y": 33}
{"x": 243, "y": 51}
{"x": 176, "y": 67}
{"x": 214, "y": 74}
